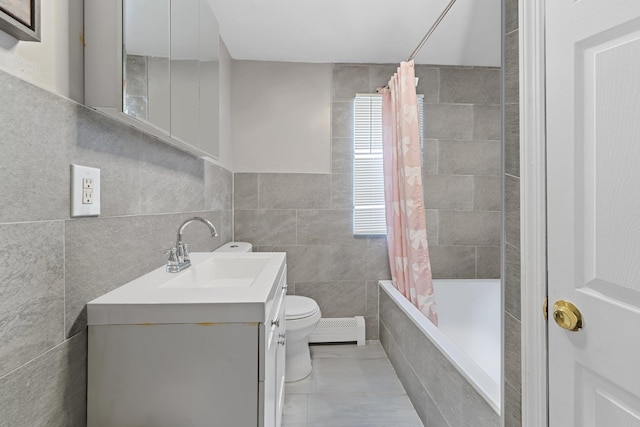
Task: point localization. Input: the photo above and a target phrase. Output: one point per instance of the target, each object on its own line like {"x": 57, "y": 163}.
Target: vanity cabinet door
{"x": 272, "y": 388}
{"x": 280, "y": 363}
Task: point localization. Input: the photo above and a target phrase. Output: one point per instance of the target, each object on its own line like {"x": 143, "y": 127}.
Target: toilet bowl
{"x": 302, "y": 316}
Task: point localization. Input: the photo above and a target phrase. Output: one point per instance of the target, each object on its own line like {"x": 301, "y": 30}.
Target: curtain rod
{"x": 431, "y": 30}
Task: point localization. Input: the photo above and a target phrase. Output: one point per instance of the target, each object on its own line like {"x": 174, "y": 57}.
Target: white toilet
{"x": 302, "y": 315}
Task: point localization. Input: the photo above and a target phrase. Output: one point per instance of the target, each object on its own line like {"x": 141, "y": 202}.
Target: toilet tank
{"x": 235, "y": 247}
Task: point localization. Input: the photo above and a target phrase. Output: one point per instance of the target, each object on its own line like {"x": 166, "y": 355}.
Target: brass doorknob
{"x": 567, "y": 315}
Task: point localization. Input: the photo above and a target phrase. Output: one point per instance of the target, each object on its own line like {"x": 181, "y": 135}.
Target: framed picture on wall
{"x": 21, "y": 18}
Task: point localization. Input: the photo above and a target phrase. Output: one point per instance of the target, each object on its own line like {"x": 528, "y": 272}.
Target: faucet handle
{"x": 173, "y": 256}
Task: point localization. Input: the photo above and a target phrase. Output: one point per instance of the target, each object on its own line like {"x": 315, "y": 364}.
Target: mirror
{"x": 170, "y": 71}
{"x": 146, "y": 67}
{"x": 185, "y": 53}
{"x": 209, "y": 80}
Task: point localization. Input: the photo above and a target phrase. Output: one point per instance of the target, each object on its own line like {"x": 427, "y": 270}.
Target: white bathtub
{"x": 469, "y": 329}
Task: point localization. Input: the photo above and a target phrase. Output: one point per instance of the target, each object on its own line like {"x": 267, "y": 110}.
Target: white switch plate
{"x": 85, "y": 180}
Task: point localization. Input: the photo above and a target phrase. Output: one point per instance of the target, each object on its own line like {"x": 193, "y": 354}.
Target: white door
{"x": 593, "y": 150}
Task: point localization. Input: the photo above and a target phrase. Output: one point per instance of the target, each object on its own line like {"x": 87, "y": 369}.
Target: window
{"x": 368, "y": 173}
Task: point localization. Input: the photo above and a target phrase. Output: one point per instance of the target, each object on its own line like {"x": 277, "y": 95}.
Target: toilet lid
{"x": 299, "y": 307}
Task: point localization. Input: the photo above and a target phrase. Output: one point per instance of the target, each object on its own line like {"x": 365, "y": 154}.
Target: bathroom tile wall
{"x": 310, "y": 215}
{"x": 439, "y": 393}
{"x": 511, "y": 275}
{"x": 52, "y": 264}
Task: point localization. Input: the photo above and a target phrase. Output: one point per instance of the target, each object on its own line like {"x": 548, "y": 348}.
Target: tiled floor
{"x": 350, "y": 386}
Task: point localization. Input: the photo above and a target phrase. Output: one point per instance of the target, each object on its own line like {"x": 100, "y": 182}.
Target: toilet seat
{"x": 300, "y": 307}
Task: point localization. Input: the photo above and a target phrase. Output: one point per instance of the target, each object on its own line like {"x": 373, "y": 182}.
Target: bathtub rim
{"x": 474, "y": 375}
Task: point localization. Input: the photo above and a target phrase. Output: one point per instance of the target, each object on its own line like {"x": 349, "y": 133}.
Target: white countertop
{"x": 151, "y": 299}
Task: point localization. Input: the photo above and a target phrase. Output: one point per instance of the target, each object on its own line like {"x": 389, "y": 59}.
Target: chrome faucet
{"x": 179, "y": 255}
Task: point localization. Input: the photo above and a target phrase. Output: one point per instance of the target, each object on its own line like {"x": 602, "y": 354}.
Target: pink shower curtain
{"x": 406, "y": 225}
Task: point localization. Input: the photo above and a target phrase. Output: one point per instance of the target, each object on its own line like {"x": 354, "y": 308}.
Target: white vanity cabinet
{"x": 195, "y": 362}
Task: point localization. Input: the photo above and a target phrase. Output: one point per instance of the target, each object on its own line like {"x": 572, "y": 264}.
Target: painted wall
{"x": 53, "y": 265}
{"x": 309, "y": 215}
{"x": 512, "y": 348}
{"x": 55, "y": 63}
{"x": 280, "y": 117}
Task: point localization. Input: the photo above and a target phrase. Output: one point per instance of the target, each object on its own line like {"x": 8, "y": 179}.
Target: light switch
{"x": 85, "y": 191}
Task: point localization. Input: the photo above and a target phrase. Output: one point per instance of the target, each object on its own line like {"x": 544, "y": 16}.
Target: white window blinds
{"x": 368, "y": 174}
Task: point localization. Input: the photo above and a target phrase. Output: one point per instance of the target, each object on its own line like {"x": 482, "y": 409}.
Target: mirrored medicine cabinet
{"x": 154, "y": 65}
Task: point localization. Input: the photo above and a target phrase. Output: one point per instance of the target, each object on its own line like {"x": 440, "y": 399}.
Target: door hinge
{"x": 545, "y": 310}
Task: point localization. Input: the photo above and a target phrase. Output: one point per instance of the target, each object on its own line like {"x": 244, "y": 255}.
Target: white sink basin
{"x": 230, "y": 271}
{"x": 218, "y": 287}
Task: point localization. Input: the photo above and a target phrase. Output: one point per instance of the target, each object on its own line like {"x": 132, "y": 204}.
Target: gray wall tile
{"x": 385, "y": 337}
{"x": 379, "y": 75}
{"x": 512, "y": 139}
{"x": 511, "y": 267}
{"x": 430, "y": 156}
{"x": 104, "y": 253}
{"x": 469, "y": 157}
{"x": 415, "y": 390}
{"x": 349, "y": 80}
{"x": 336, "y": 299}
{"x": 435, "y": 417}
{"x": 469, "y": 228}
{"x": 448, "y": 121}
{"x": 305, "y": 263}
{"x": 392, "y": 320}
{"x": 371, "y": 317}
{"x": 510, "y": 15}
{"x": 50, "y": 390}
{"x": 453, "y": 262}
{"x": 245, "y": 191}
{"x": 115, "y": 149}
{"x": 265, "y": 227}
{"x": 511, "y": 68}
{"x": 448, "y": 192}
{"x": 197, "y": 235}
{"x": 34, "y": 137}
{"x": 428, "y": 83}
{"x": 31, "y": 291}
{"x": 487, "y": 193}
{"x": 352, "y": 262}
{"x": 477, "y": 411}
{"x": 441, "y": 379}
{"x": 41, "y": 134}
{"x": 431, "y": 217}
{"x": 226, "y": 225}
{"x": 512, "y": 281}
{"x": 342, "y": 119}
{"x": 326, "y": 227}
{"x": 342, "y": 155}
{"x": 341, "y": 191}
{"x": 488, "y": 262}
{"x": 469, "y": 85}
{"x": 171, "y": 180}
{"x": 512, "y": 228}
{"x": 458, "y": 402}
{"x": 512, "y": 407}
{"x": 218, "y": 187}
{"x": 486, "y": 122}
{"x": 512, "y": 351}
{"x": 512, "y": 210}
{"x": 294, "y": 191}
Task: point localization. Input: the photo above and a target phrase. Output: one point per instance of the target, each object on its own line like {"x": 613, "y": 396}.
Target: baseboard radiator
{"x": 339, "y": 329}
